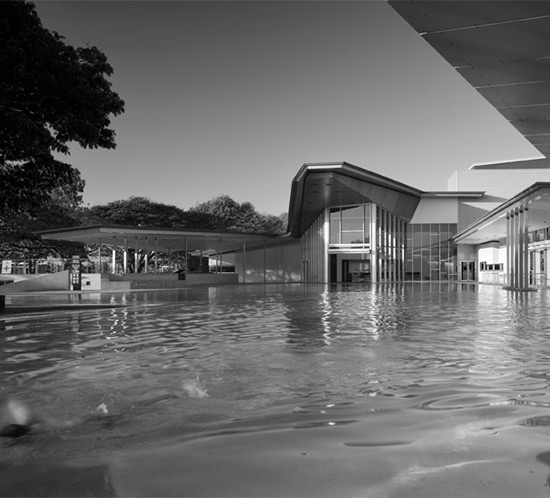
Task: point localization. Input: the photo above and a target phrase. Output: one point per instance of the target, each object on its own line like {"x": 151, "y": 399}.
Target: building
{"x": 350, "y": 225}
{"x": 347, "y": 224}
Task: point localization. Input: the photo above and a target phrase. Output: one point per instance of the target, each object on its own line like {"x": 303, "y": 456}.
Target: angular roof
{"x": 321, "y": 185}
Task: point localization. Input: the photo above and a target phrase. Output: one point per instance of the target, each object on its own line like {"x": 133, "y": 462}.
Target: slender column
{"x": 221, "y": 260}
{"x": 526, "y": 272}
{"x": 325, "y": 246}
{"x": 156, "y": 255}
{"x": 125, "y": 258}
{"x": 513, "y": 248}
{"x": 186, "y": 258}
{"x": 244, "y": 261}
{"x": 146, "y": 258}
{"x": 265, "y": 263}
{"x": 135, "y": 255}
{"x": 373, "y": 245}
{"x": 99, "y": 257}
{"x": 508, "y": 249}
{"x": 113, "y": 260}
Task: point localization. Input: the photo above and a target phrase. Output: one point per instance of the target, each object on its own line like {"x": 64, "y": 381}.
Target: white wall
{"x": 91, "y": 281}
{"x": 436, "y": 210}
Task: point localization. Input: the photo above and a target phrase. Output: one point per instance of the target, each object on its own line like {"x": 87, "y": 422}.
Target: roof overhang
{"x": 321, "y": 185}
{"x": 501, "y": 48}
{"x": 164, "y": 240}
{"x": 493, "y": 225}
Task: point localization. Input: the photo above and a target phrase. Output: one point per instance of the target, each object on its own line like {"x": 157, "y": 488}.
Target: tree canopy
{"x": 51, "y": 94}
{"x": 228, "y": 214}
{"x": 139, "y": 211}
{"x": 220, "y": 213}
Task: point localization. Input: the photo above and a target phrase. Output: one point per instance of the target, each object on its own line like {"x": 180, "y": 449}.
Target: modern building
{"x": 347, "y": 224}
{"x": 350, "y": 225}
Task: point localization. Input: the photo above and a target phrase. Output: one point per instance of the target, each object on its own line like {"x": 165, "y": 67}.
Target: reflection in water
{"x": 439, "y": 370}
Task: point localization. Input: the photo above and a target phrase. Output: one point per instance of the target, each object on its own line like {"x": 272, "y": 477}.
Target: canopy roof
{"x": 492, "y": 226}
{"x": 164, "y": 239}
{"x": 502, "y": 48}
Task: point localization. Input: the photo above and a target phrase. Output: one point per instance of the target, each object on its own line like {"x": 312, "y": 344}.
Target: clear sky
{"x": 232, "y": 97}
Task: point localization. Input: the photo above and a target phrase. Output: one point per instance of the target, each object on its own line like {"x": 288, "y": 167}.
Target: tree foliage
{"x": 220, "y": 213}
{"x": 17, "y": 231}
{"x": 50, "y": 94}
{"x": 140, "y": 211}
{"x": 228, "y": 214}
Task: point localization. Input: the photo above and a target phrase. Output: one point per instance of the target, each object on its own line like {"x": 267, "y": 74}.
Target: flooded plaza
{"x": 410, "y": 389}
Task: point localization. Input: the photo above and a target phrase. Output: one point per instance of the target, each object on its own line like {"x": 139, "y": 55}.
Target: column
{"x": 99, "y": 258}
{"x": 136, "y": 255}
{"x": 221, "y": 259}
{"x": 156, "y": 255}
{"x": 325, "y": 246}
{"x": 146, "y": 258}
{"x": 508, "y": 249}
{"x": 244, "y": 262}
{"x": 125, "y": 256}
{"x": 525, "y": 248}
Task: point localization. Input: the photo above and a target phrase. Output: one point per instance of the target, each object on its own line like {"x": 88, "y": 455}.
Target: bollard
{"x": 2, "y": 302}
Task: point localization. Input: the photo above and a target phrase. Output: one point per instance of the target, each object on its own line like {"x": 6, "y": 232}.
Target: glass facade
{"x": 429, "y": 252}
{"x": 365, "y": 243}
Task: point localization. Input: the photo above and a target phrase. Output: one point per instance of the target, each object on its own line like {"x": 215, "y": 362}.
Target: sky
{"x": 233, "y": 97}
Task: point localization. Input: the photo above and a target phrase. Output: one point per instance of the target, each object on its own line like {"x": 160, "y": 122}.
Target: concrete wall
{"x": 279, "y": 263}
{"x": 43, "y": 282}
{"x": 91, "y": 281}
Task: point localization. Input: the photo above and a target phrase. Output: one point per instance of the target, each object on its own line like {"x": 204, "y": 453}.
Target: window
{"x": 350, "y": 226}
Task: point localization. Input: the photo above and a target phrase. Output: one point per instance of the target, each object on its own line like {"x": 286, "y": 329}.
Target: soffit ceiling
{"x": 502, "y": 48}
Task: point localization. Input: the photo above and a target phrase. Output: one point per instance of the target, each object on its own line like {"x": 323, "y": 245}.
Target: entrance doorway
{"x": 356, "y": 270}
{"x": 468, "y": 270}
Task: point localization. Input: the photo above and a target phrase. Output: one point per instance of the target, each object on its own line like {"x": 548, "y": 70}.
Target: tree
{"x": 60, "y": 210}
{"x": 228, "y": 214}
{"x": 140, "y": 211}
{"x": 50, "y": 94}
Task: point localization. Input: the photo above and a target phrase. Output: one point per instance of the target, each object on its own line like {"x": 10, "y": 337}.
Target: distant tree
{"x": 228, "y": 214}
{"x": 140, "y": 211}
{"x": 50, "y": 94}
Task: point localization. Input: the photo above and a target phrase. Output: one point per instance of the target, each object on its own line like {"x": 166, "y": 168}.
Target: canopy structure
{"x": 155, "y": 241}
{"x": 164, "y": 240}
{"x": 501, "y": 48}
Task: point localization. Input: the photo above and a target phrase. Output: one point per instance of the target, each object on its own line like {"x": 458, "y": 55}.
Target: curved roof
{"x": 321, "y": 185}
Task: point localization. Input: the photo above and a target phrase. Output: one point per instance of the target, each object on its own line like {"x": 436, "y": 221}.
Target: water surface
{"x": 296, "y": 390}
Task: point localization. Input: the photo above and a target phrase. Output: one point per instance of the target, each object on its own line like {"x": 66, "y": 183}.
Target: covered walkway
{"x": 162, "y": 252}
